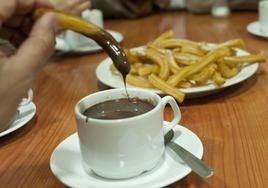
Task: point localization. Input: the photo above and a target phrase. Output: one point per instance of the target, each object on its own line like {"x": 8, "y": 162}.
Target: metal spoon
{"x": 197, "y": 165}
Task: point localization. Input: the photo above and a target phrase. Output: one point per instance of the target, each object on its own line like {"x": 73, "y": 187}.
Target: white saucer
{"x": 254, "y": 28}
{"x": 27, "y": 112}
{"x": 65, "y": 164}
{"x": 63, "y": 46}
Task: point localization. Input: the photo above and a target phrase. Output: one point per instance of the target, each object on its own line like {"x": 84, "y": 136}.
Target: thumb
{"x": 37, "y": 48}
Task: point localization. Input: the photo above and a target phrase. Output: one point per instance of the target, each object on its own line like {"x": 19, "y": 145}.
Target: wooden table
{"x": 233, "y": 124}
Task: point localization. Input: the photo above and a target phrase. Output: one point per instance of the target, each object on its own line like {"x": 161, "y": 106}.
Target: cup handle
{"x": 27, "y": 100}
{"x": 176, "y": 113}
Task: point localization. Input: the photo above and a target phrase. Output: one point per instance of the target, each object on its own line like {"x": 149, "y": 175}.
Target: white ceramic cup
{"x": 123, "y": 148}
{"x": 263, "y": 16}
{"x": 76, "y": 40}
{"x": 94, "y": 16}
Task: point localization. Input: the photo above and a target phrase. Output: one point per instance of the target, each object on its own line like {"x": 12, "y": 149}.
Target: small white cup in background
{"x": 94, "y": 15}
{"x": 263, "y": 16}
{"x": 76, "y": 40}
{"x": 123, "y": 148}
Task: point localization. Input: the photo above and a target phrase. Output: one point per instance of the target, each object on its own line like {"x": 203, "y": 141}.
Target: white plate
{"x": 105, "y": 75}
{"x": 62, "y": 45}
{"x": 27, "y": 112}
{"x": 254, "y": 28}
{"x": 65, "y": 164}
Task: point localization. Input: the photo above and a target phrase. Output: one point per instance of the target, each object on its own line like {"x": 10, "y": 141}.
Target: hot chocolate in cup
{"x": 126, "y": 136}
{"x": 263, "y": 16}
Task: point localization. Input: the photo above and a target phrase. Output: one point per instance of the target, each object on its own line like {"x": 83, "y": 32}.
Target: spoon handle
{"x": 197, "y": 165}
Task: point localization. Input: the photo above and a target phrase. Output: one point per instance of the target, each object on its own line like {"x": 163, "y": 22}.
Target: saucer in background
{"x": 27, "y": 112}
{"x": 254, "y": 28}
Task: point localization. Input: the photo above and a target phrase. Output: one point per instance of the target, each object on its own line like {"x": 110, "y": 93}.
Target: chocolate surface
{"x": 119, "y": 108}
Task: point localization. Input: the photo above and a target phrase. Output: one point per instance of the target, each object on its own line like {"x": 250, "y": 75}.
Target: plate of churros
{"x": 183, "y": 68}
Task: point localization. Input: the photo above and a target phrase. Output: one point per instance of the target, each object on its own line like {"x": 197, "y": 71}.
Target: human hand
{"x": 17, "y": 71}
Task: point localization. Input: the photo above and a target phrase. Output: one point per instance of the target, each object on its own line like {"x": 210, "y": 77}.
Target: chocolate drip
{"x": 110, "y": 45}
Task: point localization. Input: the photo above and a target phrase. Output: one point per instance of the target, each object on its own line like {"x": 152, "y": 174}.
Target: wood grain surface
{"x": 232, "y": 124}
